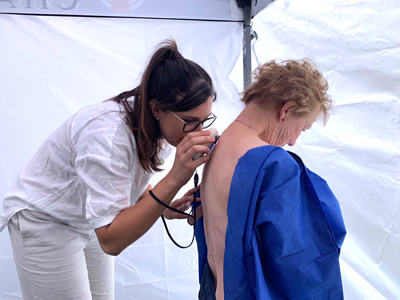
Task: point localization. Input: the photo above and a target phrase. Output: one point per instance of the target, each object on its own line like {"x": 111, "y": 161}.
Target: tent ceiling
{"x": 258, "y": 5}
{"x": 215, "y": 10}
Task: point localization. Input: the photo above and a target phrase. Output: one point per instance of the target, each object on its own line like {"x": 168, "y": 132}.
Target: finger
{"x": 196, "y": 145}
{"x": 181, "y": 201}
{"x": 191, "y": 191}
{"x": 197, "y": 151}
{"x": 194, "y": 134}
{"x": 184, "y": 203}
{"x": 179, "y": 204}
{"x": 197, "y": 138}
{"x": 184, "y": 206}
{"x": 194, "y": 164}
{"x": 173, "y": 215}
{"x": 198, "y": 162}
{"x": 178, "y": 216}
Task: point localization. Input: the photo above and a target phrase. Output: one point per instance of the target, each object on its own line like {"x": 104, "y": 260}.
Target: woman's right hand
{"x": 184, "y": 165}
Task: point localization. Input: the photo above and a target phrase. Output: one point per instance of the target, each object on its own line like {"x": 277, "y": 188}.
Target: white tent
{"x": 58, "y": 56}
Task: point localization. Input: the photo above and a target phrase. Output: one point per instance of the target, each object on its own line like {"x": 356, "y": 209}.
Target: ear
{"x": 155, "y": 109}
{"x": 287, "y": 110}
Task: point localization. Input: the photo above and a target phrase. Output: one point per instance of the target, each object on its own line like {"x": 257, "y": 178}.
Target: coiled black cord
{"x": 196, "y": 181}
{"x": 193, "y": 211}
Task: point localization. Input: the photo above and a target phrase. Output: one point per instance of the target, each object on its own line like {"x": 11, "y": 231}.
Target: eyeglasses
{"x": 190, "y": 126}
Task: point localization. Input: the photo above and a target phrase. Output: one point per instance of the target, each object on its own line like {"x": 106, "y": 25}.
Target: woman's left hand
{"x": 181, "y": 204}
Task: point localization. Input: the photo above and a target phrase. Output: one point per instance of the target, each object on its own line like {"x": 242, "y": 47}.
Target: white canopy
{"x": 52, "y": 63}
{"x": 215, "y": 10}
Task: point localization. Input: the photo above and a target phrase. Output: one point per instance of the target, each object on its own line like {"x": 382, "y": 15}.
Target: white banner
{"x": 224, "y": 10}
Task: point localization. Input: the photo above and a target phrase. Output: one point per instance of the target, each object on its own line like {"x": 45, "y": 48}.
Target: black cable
{"x": 167, "y": 206}
{"x": 196, "y": 180}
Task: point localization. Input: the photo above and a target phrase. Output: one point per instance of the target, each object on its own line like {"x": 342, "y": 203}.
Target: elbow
{"x": 113, "y": 253}
{"x": 109, "y": 246}
{"x": 109, "y": 243}
{"x": 110, "y": 249}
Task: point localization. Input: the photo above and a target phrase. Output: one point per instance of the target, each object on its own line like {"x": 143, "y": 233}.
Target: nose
{"x": 199, "y": 128}
{"x": 292, "y": 143}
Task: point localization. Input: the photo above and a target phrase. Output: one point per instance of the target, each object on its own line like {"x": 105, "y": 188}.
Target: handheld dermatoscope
{"x": 214, "y": 133}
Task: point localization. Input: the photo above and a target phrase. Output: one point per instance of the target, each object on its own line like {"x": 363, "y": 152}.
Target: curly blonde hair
{"x": 275, "y": 84}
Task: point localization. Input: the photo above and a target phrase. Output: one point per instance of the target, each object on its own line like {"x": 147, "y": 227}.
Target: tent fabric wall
{"x": 52, "y": 66}
{"x": 357, "y": 46}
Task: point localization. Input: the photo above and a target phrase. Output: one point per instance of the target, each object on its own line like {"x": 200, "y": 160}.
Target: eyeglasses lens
{"x": 191, "y": 126}
{"x": 208, "y": 122}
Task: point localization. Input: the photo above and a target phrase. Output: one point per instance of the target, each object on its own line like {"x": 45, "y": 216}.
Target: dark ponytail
{"x": 168, "y": 77}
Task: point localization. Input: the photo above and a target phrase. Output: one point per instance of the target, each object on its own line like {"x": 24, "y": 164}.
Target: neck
{"x": 251, "y": 116}
{"x": 248, "y": 125}
{"x": 263, "y": 121}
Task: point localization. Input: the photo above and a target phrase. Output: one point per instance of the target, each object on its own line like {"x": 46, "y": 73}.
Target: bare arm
{"x": 146, "y": 192}
{"x": 136, "y": 220}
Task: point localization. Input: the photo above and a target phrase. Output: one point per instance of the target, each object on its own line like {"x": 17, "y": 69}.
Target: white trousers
{"x": 55, "y": 261}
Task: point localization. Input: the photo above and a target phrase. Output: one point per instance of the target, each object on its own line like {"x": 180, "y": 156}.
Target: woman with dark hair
{"x": 85, "y": 194}
{"x": 272, "y": 228}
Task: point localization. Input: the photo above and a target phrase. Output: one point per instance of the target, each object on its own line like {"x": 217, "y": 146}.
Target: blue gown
{"x": 284, "y": 232}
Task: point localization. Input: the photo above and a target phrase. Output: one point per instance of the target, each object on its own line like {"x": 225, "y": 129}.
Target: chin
{"x": 175, "y": 142}
{"x": 178, "y": 142}
{"x": 172, "y": 143}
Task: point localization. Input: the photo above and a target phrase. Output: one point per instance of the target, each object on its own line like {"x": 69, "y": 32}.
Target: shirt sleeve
{"x": 104, "y": 159}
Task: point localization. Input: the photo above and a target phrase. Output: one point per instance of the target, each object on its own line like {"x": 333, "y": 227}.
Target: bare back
{"x": 215, "y": 187}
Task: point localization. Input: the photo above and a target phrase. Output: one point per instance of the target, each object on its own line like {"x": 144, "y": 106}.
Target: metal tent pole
{"x": 246, "y": 44}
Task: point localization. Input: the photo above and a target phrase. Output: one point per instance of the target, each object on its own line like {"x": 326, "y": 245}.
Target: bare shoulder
{"x": 225, "y": 155}
{"x": 234, "y": 144}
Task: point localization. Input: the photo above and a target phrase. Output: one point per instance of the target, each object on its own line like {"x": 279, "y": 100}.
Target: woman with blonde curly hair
{"x": 271, "y": 229}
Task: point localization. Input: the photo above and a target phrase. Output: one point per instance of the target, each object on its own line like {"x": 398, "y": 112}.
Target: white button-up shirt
{"x": 85, "y": 173}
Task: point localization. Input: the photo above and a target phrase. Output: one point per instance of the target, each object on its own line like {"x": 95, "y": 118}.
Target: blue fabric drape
{"x": 284, "y": 233}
